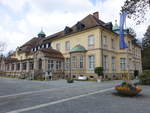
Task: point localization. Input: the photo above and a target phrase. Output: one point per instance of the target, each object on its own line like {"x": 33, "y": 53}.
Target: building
{"x": 76, "y": 51}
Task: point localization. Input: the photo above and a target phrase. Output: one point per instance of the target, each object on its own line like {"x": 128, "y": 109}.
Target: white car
{"x": 82, "y": 78}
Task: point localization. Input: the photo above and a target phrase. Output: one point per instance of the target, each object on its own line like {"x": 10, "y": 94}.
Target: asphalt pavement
{"x": 24, "y": 96}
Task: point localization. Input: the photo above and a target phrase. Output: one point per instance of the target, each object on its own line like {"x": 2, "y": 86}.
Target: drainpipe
{"x": 70, "y": 66}
{"x": 102, "y": 47}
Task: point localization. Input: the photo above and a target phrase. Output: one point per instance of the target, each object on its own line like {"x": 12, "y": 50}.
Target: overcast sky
{"x": 21, "y": 20}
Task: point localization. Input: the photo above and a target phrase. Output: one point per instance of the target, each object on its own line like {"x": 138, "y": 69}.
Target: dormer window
{"x": 47, "y": 45}
{"x": 32, "y": 49}
{"x": 80, "y": 26}
{"x": 38, "y": 47}
{"x": 108, "y": 25}
{"x": 67, "y": 30}
{"x": 43, "y": 46}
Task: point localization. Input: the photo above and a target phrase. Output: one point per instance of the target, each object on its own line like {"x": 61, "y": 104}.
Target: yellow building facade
{"x": 100, "y": 48}
{"x": 89, "y": 44}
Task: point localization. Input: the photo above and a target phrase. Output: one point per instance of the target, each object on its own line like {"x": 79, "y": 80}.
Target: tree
{"x": 99, "y": 71}
{"x": 136, "y": 9}
{"x": 132, "y": 32}
{"x": 10, "y": 53}
{"x": 146, "y": 39}
{"x": 146, "y": 50}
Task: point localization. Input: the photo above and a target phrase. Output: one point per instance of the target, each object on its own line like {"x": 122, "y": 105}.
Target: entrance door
{"x": 136, "y": 73}
{"x": 40, "y": 64}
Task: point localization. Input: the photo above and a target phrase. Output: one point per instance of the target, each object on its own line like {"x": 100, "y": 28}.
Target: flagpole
{"x": 128, "y": 69}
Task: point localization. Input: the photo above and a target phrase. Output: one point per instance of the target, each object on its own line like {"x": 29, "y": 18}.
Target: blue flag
{"x": 122, "y": 22}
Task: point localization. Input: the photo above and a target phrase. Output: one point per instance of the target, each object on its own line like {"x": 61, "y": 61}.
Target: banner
{"x": 122, "y": 22}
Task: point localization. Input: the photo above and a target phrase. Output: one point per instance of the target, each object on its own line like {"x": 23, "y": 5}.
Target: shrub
{"x": 99, "y": 71}
{"x": 70, "y": 80}
{"x": 145, "y": 77}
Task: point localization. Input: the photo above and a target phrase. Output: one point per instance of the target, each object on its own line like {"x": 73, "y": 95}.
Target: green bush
{"x": 70, "y": 80}
{"x": 99, "y": 71}
{"x": 145, "y": 77}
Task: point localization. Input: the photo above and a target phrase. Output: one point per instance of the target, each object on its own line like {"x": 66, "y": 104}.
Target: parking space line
{"x": 59, "y": 101}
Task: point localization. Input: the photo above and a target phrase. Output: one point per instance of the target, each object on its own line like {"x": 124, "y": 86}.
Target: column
{"x": 21, "y": 66}
{"x": 62, "y": 65}
{"x": 9, "y": 67}
{"x": 15, "y": 66}
{"x": 44, "y": 64}
{"x": 28, "y": 66}
{"x": 54, "y": 65}
{"x": 35, "y": 64}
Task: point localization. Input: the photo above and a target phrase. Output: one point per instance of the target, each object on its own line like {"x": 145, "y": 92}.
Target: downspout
{"x": 102, "y": 47}
{"x": 70, "y": 66}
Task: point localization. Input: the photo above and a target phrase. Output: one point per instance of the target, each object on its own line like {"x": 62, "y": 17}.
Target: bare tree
{"x": 136, "y": 9}
{"x": 132, "y": 32}
{"x": 10, "y": 53}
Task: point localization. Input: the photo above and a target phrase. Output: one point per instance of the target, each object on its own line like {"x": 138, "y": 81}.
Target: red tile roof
{"x": 52, "y": 53}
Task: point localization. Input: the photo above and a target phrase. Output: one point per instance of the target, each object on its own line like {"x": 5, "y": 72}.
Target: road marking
{"x": 58, "y": 101}
{"x": 39, "y": 91}
{"x": 32, "y": 92}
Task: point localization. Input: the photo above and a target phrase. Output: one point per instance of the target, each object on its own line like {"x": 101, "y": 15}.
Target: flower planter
{"x": 133, "y": 91}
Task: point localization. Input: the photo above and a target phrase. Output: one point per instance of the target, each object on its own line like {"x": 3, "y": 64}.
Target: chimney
{"x": 96, "y": 14}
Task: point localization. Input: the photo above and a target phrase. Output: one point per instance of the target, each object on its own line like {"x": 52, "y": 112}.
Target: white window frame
{"x": 122, "y": 64}
{"x": 47, "y": 45}
{"x": 58, "y": 46}
{"x": 74, "y": 62}
{"x": 67, "y": 45}
{"x": 129, "y": 45}
{"x": 43, "y": 46}
{"x": 57, "y": 65}
{"x": 91, "y": 59}
{"x": 51, "y": 64}
{"x": 38, "y": 47}
{"x": 67, "y": 64}
{"x": 105, "y": 63}
{"x": 113, "y": 63}
{"x": 81, "y": 65}
{"x": 105, "y": 41}
{"x": 32, "y": 49}
{"x": 91, "y": 40}
{"x": 112, "y": 43}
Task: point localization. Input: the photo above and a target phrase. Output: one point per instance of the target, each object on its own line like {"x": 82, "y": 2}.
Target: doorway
{"x": 40, "y": 64}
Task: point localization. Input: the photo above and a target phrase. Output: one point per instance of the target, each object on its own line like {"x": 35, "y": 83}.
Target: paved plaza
{"x": 23, "y": 96}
